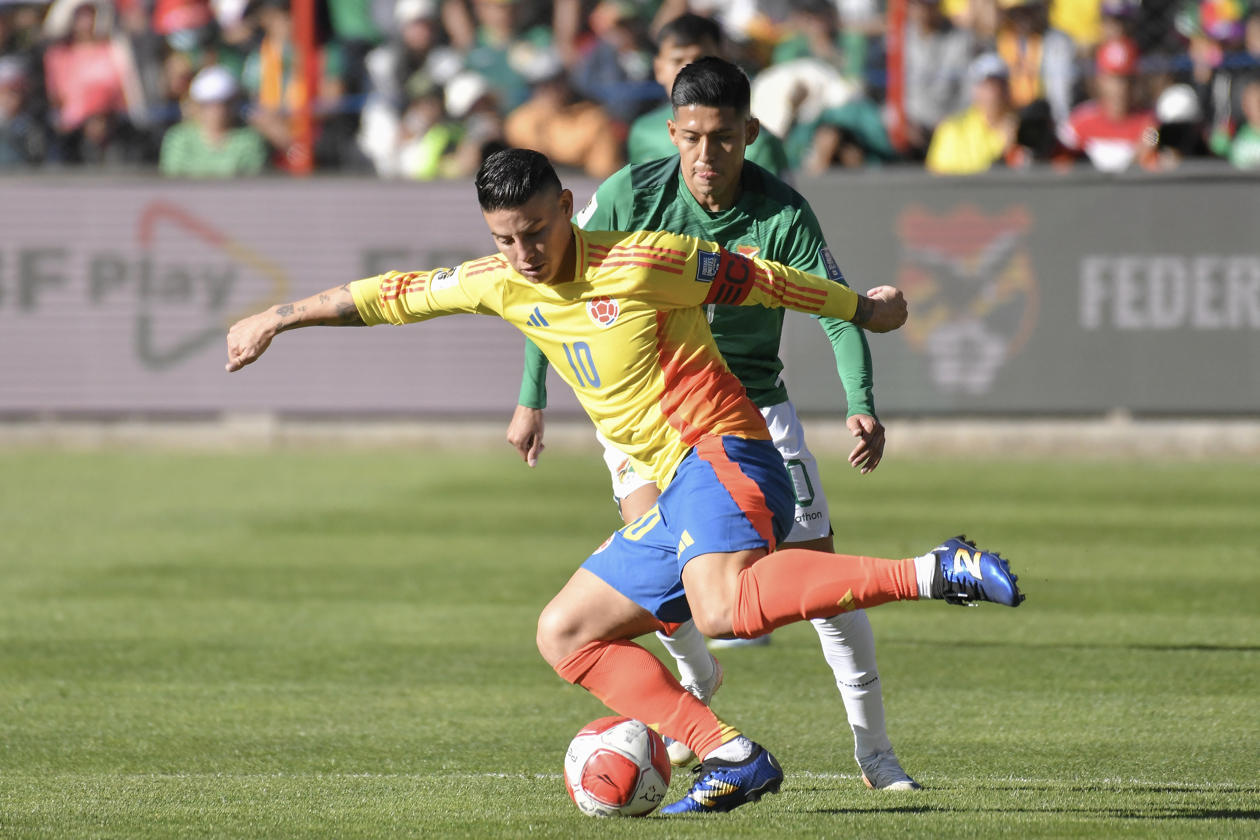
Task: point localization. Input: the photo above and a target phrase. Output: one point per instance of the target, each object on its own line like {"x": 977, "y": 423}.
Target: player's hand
{"x": 888, "y": 310}
{"x": 525, "y": 432}
{"x": 249, "y": 338}
{"x": 870, "y": 448}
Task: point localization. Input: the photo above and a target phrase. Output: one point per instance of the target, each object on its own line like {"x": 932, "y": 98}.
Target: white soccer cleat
{"x": 681, "y": 755}
{"x": 882, "y": 771}
{"x": 704, "y": 690}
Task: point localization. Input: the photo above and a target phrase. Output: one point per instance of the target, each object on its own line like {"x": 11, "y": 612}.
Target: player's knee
{"x": 713, "y": 620}
{"x": 558, "y": 632}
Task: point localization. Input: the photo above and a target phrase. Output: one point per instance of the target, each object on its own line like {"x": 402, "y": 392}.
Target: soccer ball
{"x": 616, "y": 767}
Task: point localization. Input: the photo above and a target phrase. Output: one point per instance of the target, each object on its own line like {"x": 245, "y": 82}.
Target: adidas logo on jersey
{"x": 537, "y": 319}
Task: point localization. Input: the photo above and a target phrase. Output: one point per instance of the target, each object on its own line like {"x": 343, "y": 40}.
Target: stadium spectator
{"x": 613, "y": 69}
{"x": 1042, "y": 65}
{"x": 984, "y": 134}
{"x": 1108, "y": 129}
{"x": 861, "y": 21}
{"x": 1222, "y": 96}
{"x": 1180, "y": 119}
{"x": 445, "y": 133}
{"x": 812, "y": 30}
{"x": 92, "y": 84}
{"x": 357, "y": 34}
{"x": 979, "y": 17}
{"x": 184, "y": 23}
{"x": 395, "y": 71}
{"x": 682, "y": 41}
{"x": 1243, "y": 148}
{"x": 825, "y": 117}
{"x": 208, "y": 145}
{"x": 277, "y": 87}
{"x": 566, "y": 129}
{"x": 21, "y": 38}
{"x": 1081, "y": 20}
{"x": 504, "y": 45}
{"x": 1116, "y": 20}
{"x": 237, "y": 32}
{"x": 23, "y": 141}
{"x": 427, "y": 137}
{"x": 936, "y": 56}
{"x": 470, "y": 100}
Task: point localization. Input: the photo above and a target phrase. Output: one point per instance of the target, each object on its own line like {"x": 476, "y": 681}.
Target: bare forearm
{"x": 333, "y": 308}
{"x": 249, "y": 338}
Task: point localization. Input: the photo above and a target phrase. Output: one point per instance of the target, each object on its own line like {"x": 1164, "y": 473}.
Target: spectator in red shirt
{"x": 92, "y": 82}
{"x": 1107, "y": 129}
{"x": 87, "y": 72}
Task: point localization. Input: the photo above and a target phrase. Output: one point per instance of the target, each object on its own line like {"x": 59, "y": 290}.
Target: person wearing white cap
{"x": 207, "y": 145}
{"x": 975, "y": 139}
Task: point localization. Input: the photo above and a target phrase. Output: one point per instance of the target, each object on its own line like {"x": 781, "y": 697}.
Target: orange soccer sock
{"x": 633, "y": 682}
{"x": 669, "y": 628}
{"x": 796, "y": 584}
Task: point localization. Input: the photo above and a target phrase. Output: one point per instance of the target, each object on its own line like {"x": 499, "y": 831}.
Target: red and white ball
{"x": 616, "y": 767}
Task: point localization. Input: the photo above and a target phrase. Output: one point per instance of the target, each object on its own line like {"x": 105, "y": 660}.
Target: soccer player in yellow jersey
{"x": 619, "y": 316}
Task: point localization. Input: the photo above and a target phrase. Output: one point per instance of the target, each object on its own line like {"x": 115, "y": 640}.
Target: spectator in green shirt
{"x": 1243, "y": 149}
{"x": 207, "y": 145}
{"x": 681, "y": 42}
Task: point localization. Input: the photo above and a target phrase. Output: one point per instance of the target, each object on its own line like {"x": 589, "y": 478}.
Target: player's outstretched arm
{"x": 249, "y": 338}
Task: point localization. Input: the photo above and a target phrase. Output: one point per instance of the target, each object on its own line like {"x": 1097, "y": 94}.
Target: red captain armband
{"x": 732, "y": 278}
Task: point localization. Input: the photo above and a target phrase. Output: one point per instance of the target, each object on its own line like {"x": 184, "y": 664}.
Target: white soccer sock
{"x": 695, "y": 663}
{"x": 849, "y": 646}
{"x": 737, "y": 749}
{"x": 924, "y": 568}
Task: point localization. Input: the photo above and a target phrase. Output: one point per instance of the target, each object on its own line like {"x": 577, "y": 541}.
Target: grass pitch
{"x": 341, "y": 646}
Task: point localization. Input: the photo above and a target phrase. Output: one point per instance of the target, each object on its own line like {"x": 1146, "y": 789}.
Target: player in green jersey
{"x": 711, "y": 191}
{"x": 680, "y": 42}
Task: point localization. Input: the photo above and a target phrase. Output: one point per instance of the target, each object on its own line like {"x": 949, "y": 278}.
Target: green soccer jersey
{"x": 649, "y": 140}
{"x": 771, "y": 220}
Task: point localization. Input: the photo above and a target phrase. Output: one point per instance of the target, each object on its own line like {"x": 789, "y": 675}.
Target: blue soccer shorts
{"x": 729, "y": 494}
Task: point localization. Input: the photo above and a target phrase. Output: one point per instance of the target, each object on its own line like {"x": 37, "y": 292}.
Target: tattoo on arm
{"x": 348, "y": 315}
{"x": 865, "y": 309}
{"x": 324, "y": 298}
{"x": 287, "y": 309}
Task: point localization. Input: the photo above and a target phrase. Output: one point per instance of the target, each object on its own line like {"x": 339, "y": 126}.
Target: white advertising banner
{"x": 1028, "y": 294}
{"x": 116, "y": 297}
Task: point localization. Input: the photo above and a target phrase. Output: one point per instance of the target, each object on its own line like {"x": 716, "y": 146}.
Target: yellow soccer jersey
{"x": 628, "y": 332}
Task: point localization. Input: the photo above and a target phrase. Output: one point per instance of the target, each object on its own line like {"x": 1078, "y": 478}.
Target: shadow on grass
{"x": 1189, "y": 814}
{"x": 962, "y": 643}
{"x": 1112, "y": 813}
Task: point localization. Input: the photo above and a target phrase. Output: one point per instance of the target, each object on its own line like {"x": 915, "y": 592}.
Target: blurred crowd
{"x": 426, "y": 89}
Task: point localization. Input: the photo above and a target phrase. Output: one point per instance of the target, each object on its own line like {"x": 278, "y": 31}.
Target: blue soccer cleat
{"x": 725, "y": 785}
{"x": 967, "y": 575}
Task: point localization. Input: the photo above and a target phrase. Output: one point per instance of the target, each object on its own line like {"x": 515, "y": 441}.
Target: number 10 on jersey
{"x": 582, "y": 363}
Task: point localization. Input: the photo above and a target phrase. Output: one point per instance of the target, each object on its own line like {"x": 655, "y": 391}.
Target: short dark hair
{"x": 512, "y": 177}
{"x": 712, "y": 82}
{"x": 690, "y": 31}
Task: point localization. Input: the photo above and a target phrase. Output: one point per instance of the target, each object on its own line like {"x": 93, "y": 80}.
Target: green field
{"x": 342, "y": 646}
